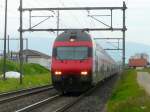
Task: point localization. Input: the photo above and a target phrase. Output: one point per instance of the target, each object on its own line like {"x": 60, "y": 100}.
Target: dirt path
{"x": 143, "y": 79}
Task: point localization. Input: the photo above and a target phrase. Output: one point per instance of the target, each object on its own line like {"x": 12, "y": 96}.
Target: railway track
{"x": 6, "y": 97}
{"x": 19, "y": 99}
{"x": 66, "y": 107}
{"x": 51, "y": 103}
{"x": 36, "y": 105}
{"x": 23, "y": 90}
{"x": 57, "y": 103}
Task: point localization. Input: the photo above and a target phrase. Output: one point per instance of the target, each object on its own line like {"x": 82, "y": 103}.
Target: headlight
{"x": 84, "y": 73}
{"x": 72, "y": 40}
{"x": 58, "y": 73}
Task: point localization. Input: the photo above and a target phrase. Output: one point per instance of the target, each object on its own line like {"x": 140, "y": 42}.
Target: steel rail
{"x": 22, "y": 93}
{"x": 35, "y": 105}
{"x": 61, "y": 109}
{"x": 68, "y": 106}
{"x": 22, "y": 90}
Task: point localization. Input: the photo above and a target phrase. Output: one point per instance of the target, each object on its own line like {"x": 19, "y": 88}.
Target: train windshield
{"x": 72, "y": 53}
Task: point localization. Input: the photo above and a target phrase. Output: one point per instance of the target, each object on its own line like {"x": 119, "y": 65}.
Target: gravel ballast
{"x": 97, "y": 100}
{"x": 22, "y": 102}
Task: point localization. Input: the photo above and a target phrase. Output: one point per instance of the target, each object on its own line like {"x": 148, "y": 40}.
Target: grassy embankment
{"x": 34, "y": 75}
{"x": 128, "y": 96}
{"x": 146, "y": 70}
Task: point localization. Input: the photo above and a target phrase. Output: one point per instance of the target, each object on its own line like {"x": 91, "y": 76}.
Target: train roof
{"x": 79, "y": 35}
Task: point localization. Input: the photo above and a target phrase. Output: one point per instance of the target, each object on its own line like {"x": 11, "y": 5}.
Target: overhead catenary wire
{"x": 77, "y": 20}
{"x": 62, "y": 4}
{"x": 84, "y": 8}
{"x": 83, "y": 21}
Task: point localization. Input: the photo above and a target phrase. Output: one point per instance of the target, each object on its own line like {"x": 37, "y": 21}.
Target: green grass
{"x": 28, "y": 69}
{"x": 128, "y": 96}
{"x": 34, "y": 75}
{"x": 10, "y": 66}
{"x": 28, "y": 82}
{"x": 31, "y": 69}
{"x": 146, "y": 70}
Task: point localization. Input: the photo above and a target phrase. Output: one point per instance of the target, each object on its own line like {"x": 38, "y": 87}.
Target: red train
{"x": 78, "y": 62}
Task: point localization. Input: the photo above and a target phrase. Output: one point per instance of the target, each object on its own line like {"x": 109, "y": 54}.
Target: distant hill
{"x": 45, "y": 45}
{"x": 132, "y": 48}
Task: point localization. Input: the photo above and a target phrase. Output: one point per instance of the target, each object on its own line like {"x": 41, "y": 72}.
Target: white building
{"x": 32, "y": 56}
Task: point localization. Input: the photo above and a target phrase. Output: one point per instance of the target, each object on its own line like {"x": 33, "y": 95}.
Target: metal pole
{"x": 111, "y": 19}
{"x": 73, "y": 8}
{"x": 30, "y": 20}
{"x": 5, "y": 33}
{"x": 21, "y": 43}
{"x": 26, "y": 43}
{"x": 111, "y": 28}
{"x": 124, "y": 29}
{"x": 8, "y": 46}
{"x": 65, "y": 29}
{"x": 118, "y": 43}
{"x": 58, "y": 21}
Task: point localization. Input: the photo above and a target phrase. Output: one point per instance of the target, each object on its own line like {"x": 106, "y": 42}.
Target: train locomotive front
{"x": 72, "y": 61}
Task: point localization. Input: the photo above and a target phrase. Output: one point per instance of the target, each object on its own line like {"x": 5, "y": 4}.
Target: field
{"x": 34, "y": 75}
{"x": 127, "y": 96}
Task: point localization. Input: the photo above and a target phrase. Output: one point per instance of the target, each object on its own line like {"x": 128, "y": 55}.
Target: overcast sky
{"x": 137, "y": 18}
